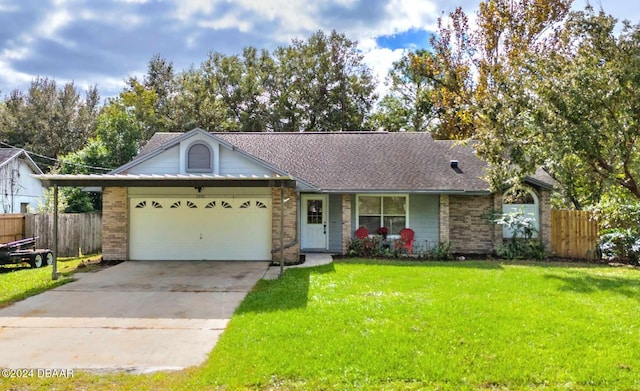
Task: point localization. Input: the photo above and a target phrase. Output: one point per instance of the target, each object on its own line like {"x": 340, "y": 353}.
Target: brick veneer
{"x": 469, "y": 228}
{"x": 444, "y": 218}
{"x": 291, "y": 254}
{"x": 115, "y": 233}
{"x": 346, "y": 222}
{"x": 544, "y": 200}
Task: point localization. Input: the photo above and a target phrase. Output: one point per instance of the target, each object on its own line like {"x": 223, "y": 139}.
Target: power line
{"x": 57, "y": 160}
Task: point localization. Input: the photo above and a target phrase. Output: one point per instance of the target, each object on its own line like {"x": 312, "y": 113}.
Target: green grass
{"x": 17, "y": 281}
{"x": 394, "y": 325}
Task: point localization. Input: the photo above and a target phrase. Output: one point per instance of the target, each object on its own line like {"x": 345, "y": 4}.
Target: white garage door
{"x": 233, "y": 228}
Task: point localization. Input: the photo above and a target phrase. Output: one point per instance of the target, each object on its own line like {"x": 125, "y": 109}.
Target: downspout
{"x": 281, "y": 229}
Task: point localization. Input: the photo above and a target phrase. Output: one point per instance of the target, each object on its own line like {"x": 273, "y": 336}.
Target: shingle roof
{"x": 360, "y": 161}
{"x": 8, "y": 154}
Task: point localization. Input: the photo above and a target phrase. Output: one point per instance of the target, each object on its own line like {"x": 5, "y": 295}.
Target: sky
{"x": 104, "y": 42}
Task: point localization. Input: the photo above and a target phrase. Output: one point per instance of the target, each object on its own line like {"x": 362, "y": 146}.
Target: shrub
{"x": 523, "y": 244}
{"x": 620, "y": 244}
{"x": 368, "y": 248}
{"x": 441, "y": 252}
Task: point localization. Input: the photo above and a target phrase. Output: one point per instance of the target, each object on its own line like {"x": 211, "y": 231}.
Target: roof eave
{"x": 406, "y": 191}
{"x": 537, "y": 182}
{"x": 115, "y": 180}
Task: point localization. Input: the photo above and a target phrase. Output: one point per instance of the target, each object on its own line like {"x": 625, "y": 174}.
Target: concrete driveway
{"x": 135, "y": 316}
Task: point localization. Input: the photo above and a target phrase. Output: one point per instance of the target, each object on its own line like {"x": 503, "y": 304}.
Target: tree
{"x": 49, "y": 120}
{"x": 238, "y": 83}
{"x": 408, "y": 105}
{"x": 116, "y": 142}
{"x": 476, "y": 71}
{"x": 326, "y": 85}
{"x": 391, "y": 115}
{"x": 588, "y": 103}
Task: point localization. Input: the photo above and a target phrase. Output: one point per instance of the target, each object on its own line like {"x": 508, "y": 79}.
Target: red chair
{"x": 405, "y": 241}
{"x": 362, "y": 233}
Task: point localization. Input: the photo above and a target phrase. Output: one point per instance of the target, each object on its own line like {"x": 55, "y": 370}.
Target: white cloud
{"x": 380, "y": 60}
{"x": 8, "y": 73}
{"x": 229, "y": 21}
{"x": 186, "y": 9}
{"x": 408, "y": 14}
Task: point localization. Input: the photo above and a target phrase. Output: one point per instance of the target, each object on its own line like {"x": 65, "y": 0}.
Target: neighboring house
{"x": 19, "y": 190}
{"x": 218, "y": 196}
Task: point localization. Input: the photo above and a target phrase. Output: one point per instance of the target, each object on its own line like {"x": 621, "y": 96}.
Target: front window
{"x": 382, "y": 211}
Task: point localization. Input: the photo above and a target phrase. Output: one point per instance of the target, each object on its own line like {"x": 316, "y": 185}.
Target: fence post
{"x": 55, "y": 232}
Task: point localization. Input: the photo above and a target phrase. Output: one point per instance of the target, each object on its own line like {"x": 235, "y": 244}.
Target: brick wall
{"x": 346, "y": 222}
{"x": 115, "y": 232}
{"x": 291, "y": 254}
{"x": 544, "y": 198}
{"x": 444, "y": 219}
{"x": 469, "y": 230}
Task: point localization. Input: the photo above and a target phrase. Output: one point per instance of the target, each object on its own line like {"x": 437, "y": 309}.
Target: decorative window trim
{"x": 188, "y": 153}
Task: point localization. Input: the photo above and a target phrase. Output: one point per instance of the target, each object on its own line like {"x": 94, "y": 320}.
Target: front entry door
{"x": 314, "y": 222}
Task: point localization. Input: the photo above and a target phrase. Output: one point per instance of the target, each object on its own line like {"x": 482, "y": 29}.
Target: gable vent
{"x": 199, "y": 158}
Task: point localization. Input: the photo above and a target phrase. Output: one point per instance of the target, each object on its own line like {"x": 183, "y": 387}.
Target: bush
{"x": 523, "y": 244}
{"x": 441, "y": 252}
{"x": 620, "y": 244}
{"x": 618, "y": 210}
{"x": 368, "y": 248}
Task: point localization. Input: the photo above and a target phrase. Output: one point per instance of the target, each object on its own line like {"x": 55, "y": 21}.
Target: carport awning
{"x": 166, "y": 180}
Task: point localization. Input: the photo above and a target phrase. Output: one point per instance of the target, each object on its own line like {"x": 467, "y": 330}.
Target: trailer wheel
{"x": 48, "y": 259}
{"x": 36, "y": 260}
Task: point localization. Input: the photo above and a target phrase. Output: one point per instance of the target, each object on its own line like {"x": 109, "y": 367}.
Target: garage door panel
{"x": 211, "y": 229}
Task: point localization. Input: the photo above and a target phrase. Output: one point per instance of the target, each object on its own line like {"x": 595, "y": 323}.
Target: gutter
{"x": 387, "y": 191}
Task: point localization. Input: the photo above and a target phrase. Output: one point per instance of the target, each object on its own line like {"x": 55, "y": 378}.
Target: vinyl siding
{"x": 232, "y": 162}
{"x": 26, "y": 188}
{"x": 423, "y": 219}
{"x": 335, "y": 223}
{"x": 167, "y": 162}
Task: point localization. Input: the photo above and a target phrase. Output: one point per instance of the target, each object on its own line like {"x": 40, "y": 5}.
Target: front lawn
{"x": 18, "y": 281}
{"x": 436, "y": 325}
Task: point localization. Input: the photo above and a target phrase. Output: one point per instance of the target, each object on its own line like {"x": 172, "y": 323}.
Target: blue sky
{"x": 107, "y": 41}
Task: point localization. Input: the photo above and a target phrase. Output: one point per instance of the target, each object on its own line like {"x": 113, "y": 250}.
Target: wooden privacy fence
{"x": 11, "y": 227}
{"x": 77, "y": 232}
{"x": 574, "y": 234}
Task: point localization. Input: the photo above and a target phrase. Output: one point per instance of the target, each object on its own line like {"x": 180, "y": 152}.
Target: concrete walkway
{"x": 135, "y": 316}
{"x": 311, "y": 260}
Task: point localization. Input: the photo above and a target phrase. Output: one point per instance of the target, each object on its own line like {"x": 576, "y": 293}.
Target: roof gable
{"x": 9, "y": 154}
{"x": 166, "y": 153}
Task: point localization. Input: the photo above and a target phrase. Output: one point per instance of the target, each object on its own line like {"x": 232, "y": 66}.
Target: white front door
{"x": 314, "y": 221}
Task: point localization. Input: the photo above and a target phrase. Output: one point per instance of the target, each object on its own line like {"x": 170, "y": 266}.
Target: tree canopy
{"x": 535, "y": 84}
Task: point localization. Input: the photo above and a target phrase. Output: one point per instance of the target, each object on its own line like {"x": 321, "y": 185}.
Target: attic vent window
{"x": 199, "y": 158}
